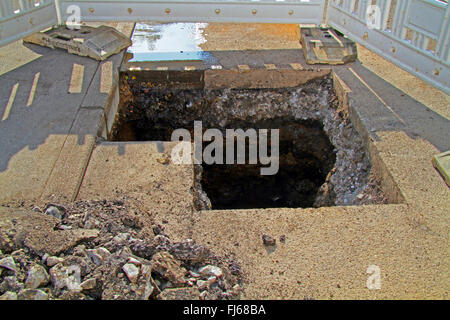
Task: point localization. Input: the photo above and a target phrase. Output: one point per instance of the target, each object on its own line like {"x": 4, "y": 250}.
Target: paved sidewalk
{"x": 48, "y": 115}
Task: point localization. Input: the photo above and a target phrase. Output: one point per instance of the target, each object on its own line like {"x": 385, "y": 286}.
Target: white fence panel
{"x": 414, "y": 34}
{"x": 19, "y": 18}
{"x": 261, "y": 11}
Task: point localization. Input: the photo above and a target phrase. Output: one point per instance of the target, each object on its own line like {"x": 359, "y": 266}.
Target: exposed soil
{"x": 323, "y": 161}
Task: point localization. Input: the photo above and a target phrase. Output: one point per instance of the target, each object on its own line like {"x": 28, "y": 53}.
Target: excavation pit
{"x": 322, "y": 159}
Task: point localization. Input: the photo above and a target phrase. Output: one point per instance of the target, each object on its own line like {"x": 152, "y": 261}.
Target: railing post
{"x": 442, "y": 44}
{"x": 58, "y": 12}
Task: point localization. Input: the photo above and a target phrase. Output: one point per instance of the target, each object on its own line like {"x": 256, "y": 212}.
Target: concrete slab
{"x": 442, "y": 163}
{"x": 261, "y": 78}
{"x": 36, "y": 119}
{"x": 68, "y": 171}
{"x": 328, "y": 251}
{"x": 144, "y": 171}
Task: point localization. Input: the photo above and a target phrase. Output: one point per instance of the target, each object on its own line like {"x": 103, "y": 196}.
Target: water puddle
{"x": 168, "y": 42}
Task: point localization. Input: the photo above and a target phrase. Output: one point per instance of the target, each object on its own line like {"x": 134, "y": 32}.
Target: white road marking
{"x": 270, "y": 66}
{"x": 10, "y": 102}
{"x": 106, "y": 77}
{"x": 33, "y": 89}
{"x": 76, "y": 80}
{"x": 243, "y": 68}
{"x": 296, "y": 66}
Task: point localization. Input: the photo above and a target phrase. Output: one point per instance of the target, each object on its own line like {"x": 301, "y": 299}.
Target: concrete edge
{"x": 390, "y": 187}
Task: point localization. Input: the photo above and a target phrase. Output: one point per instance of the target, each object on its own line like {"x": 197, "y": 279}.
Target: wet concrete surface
{"x": 179, "y": 45}
{"x": 168, "y": 42}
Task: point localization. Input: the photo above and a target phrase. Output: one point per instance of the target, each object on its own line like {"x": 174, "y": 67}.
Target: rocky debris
{"x": 131, "y": 271}
{"x": 63, "y": 277}
{"x": 52, "y": 261}
{"x": 38, "y": 232}
{"x": 210, "y": 271}
{"x": 37, "y": 277}
{"x": 32, "y": 294}
{"x": 124, "y": 259}
{"x": 188, "y": 251}
{"x": 167, "y": 267}
{"x": 8, "y": 295}
{"x": 11, "y": 284}
{"x": 99, "y": 255}
{"x": 88, "y": 284}
{"x": 55, "y": 211}
{"x": 180, "y": 294}
{"x": 8, "y": 263}
{"x": 283, "y": 238}
{"x": 268, "y": 240}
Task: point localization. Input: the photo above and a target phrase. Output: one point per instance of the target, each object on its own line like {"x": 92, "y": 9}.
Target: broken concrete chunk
{"x": 56, "y": 242}
{"x": 55, "y": 211}
{"x": 88, "y": 284}
{"x": 145, "y": 291}
{"x": 66, "y": 277}
{"x": 131, "y": 271}
{"x": 32, "y": 294}
{"x": 8, "y": 263}
{"x": 8, "y": 296}
{"x": 188, "y": 251}
{"x": 169, "y": 268}
{"x": 52, "y": 261}
{"x": 208, "y": 271}
{"x": 36, "y": 277}
{"x": 268, "y": 240}
{"x": 134, "y": 261}
{"x": 99, "y": 255}
{"x": 10, "y": 284}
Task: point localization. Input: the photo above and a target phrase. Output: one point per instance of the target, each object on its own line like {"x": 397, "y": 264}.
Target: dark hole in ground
{"x": 322, "y": 160}
{"x": 302, "y": 171}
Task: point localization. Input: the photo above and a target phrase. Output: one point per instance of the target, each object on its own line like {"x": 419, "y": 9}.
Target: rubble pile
{"x": 92, "y": 250}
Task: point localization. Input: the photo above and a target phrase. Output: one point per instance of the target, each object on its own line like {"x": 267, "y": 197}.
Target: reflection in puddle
{"x": 168, "y": 42}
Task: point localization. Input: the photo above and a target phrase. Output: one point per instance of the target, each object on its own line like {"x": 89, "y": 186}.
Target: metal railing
{"x": 413, "y": 34}
{"x": 264, "y": 11}
{"x": 19, "y": 18}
